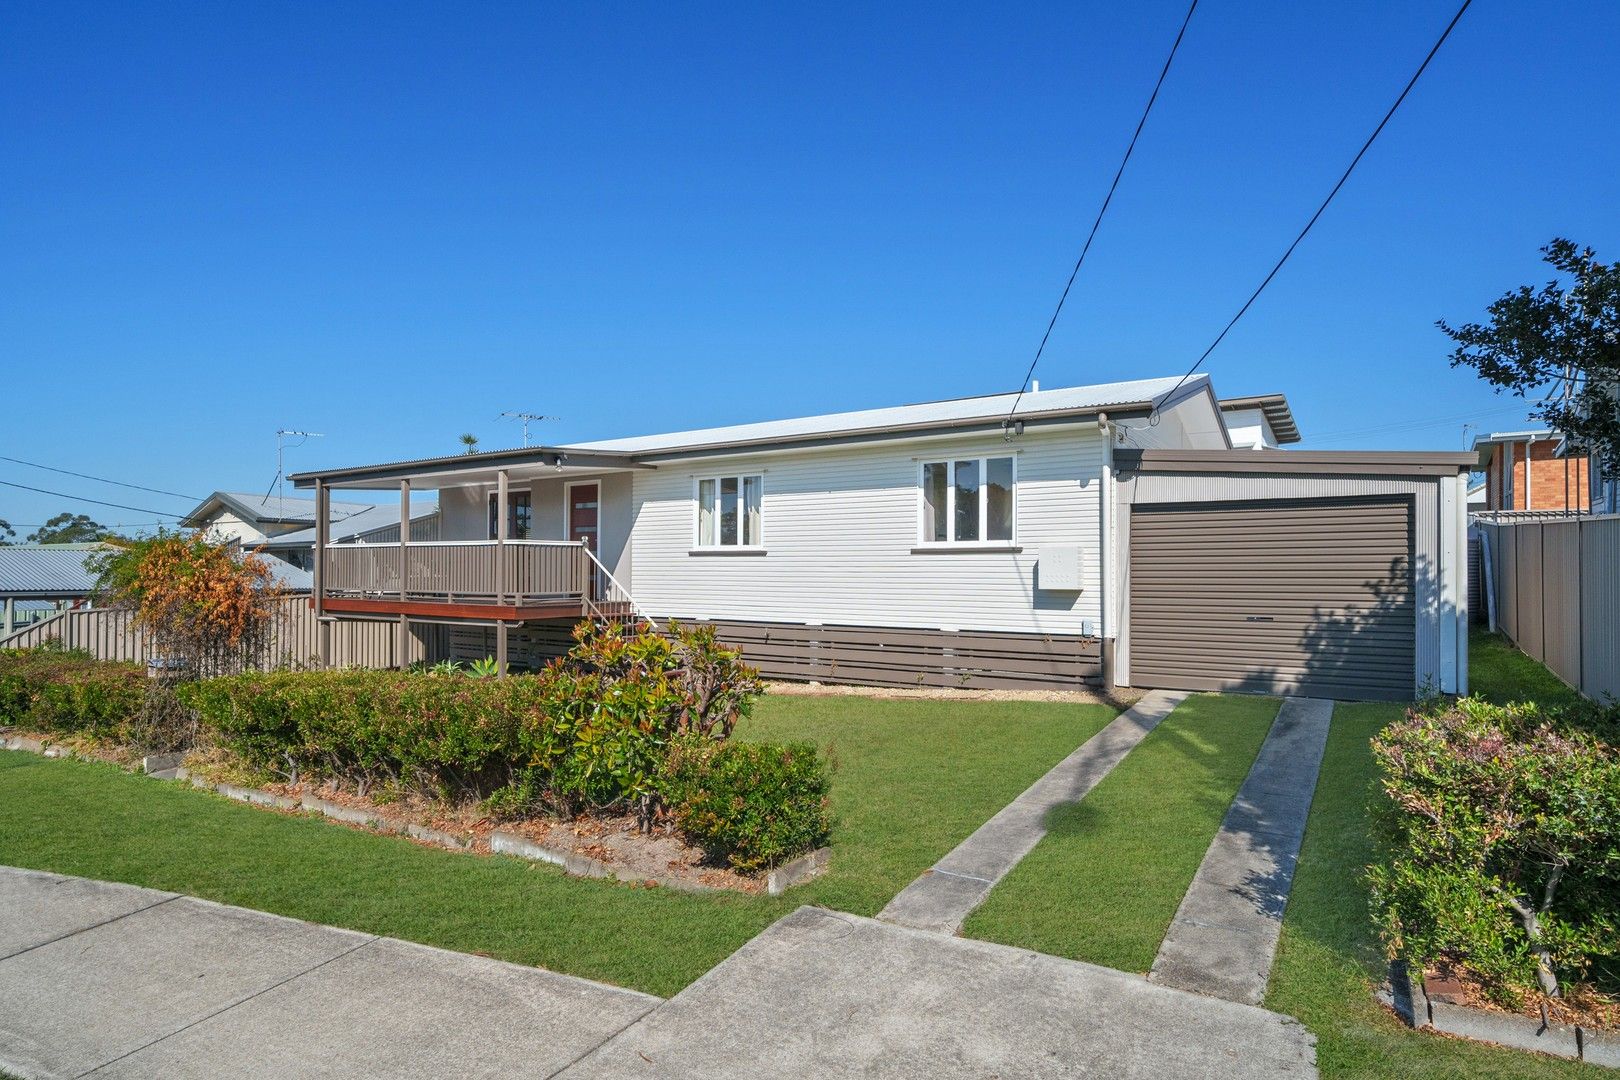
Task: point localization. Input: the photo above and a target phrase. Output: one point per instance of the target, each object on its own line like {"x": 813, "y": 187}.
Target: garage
{"x": 1311, "y": 597}
{"x": 1324, "y": 573}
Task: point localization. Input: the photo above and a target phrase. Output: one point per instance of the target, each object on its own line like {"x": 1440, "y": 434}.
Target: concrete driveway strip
{"x": 943, "y": 897}
{"x": 1224, "y": 936}
{"x": 826, "y": 995}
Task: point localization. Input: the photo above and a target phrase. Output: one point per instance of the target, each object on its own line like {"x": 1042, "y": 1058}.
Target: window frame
{"x": 742, "y": 478}
{"x": 925, "y": 529}
{"x": 493, "y": 523}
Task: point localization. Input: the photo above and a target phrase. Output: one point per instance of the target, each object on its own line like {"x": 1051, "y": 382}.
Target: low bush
{"x": 68, "y": 693}
{"x": 590, "y": 731}
{"x": 752, "y": 804}
{"x": 1501, "y": 836}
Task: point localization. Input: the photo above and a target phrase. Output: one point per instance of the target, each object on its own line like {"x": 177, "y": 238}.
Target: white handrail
{"x": 629, "y": 599}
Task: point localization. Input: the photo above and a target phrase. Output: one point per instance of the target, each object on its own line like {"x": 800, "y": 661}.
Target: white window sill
{"x": 967, "y": 548}
{"x": 729, "y": 550}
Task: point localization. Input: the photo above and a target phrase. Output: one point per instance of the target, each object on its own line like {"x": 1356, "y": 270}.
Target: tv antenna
{"x": 527, "y": 418}
{"x": 282, "y": 435}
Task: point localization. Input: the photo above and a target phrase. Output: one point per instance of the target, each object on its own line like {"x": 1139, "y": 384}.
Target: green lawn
{"x": 914, "y": 778}
{"x": 1329, "y": 959}
{"x": 1106, "y": 881}
{"x": 1501, "y": 673}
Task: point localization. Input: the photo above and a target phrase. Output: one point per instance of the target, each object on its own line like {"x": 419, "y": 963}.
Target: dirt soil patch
{"x": 1581, "y": 1004}
{"x": 1120, "y": 698}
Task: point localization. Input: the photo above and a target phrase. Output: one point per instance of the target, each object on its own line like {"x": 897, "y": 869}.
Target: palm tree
{"x": 470, "y": 441}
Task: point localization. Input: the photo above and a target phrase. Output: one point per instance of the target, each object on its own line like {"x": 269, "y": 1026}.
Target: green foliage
{"x": 66, "y": 528}
{"x": 1501, "y": 833}
{"x": 65, "y": 692}
{"x": 588, "y": 732}
{"x": 753, "y": 804}
{"x": 1558, "y": 334}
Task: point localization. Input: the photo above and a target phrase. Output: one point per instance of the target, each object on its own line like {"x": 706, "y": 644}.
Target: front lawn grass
{"x": 1329, "y": 959}
{"x": 1106, "y": 881}
{"x": 913, "y": 779}
{"x": 1500, "y": 673}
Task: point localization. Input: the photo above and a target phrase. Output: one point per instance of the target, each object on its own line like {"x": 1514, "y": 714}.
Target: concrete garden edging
{"x": 797, "y": 872}
{"x": 1413, "y": 1004}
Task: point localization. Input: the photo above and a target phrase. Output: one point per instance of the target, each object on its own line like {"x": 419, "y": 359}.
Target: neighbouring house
{"x": 1262, "y": 422}
{"x": 284, "y": 526}
{"x": 38, "y": 580}
{"x": 1532, "y": 471}
{"x": 1106, "y": 534}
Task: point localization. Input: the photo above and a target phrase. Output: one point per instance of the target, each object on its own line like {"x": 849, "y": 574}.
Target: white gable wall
{"x": 840, "y": 526}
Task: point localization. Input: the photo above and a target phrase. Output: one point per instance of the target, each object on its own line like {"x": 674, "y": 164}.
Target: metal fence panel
{"x": 1600, "y": 608}
{"x": 1527, "y": 572}
{"x": 1561, "y": 599}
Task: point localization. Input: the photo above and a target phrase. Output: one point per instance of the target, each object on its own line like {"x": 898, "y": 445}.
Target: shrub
{"x": 590, "y": 731}
{"x": 753, "y": 804}
{"x": 66, "y": 692}
{"x": 1501, "y": 830}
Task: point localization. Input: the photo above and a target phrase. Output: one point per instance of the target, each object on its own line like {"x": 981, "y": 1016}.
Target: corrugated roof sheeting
{"x": 56, "y": 569}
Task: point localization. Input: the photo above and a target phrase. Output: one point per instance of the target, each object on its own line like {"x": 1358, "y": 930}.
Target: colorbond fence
{"x": 107, "y": 633}
{"x": 1557, "y": 590}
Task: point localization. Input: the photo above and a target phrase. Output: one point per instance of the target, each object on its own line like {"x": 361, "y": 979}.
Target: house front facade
{"x": 976, "y": 542}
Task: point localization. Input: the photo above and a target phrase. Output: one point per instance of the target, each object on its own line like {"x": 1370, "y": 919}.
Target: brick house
{"x": 1524, "y": 470}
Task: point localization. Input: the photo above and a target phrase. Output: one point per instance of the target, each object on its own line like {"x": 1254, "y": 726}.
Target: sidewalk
{"x": 116, "y": 981}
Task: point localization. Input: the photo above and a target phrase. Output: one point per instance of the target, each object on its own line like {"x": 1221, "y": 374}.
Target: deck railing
{"x": 462, "y": 571}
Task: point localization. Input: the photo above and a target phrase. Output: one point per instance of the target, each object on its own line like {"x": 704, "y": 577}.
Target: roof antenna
{"x": 282, "y": 435}
{"x": 527, "y": 418}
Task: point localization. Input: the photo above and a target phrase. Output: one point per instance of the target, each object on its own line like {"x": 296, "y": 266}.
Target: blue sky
{"x": 391, "y": 222}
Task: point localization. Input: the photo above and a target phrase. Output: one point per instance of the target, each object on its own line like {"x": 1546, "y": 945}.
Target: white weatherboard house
{"x": 1094, "y": 534}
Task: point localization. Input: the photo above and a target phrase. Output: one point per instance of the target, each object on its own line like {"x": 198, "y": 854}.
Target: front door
{"x": 584, "y": 515}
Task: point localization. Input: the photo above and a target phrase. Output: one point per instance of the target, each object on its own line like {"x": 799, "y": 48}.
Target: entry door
{"x": 1292, "y": 596}
{"x": 584, "y": 518}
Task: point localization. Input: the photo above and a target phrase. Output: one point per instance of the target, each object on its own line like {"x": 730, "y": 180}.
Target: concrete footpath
{"x": 115, "y": 981}
{"x": 943, "y": 897}
{"x": 1224, "y": 936}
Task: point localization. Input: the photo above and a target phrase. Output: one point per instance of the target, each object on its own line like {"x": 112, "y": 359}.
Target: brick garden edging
{"x": 168, "y": 767}
{"x": 1408, "y": 997}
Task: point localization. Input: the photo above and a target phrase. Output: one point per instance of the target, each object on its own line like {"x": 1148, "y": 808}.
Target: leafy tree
{"x": 67, "y": 528}
{"x": 208, "y": 608}
{"x": 469, "y": 443}
{"x": 1565, "y": 334}
{"x": 6, "y": 532}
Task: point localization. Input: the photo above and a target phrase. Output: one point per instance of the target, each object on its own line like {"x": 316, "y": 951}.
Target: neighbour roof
{"x": 1142, "y": 393}
{"x": 639, "y": 451}
{"x": 46, "y": 569}
{"x": 1276, "y": 411}
{"x": 371, "y": 519}
{"x": 1297, "y": 462}
{"x": 268, "y": 509}
{"x": 1485, "y": 445}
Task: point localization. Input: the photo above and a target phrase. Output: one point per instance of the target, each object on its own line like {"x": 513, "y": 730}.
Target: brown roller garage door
{"x": 1295, "y": 596}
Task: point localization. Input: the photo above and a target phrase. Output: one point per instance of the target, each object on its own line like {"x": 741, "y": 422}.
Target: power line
{"x": 1102, "y": 210}
{"x": 1319, "y": 210}
{"x": 98, "y": 479}
{"x": 98, "y": 502}
{"x": 1398, "y": 425}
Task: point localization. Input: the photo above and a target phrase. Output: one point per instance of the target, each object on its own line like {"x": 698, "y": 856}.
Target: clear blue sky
{"x": 391, "y": 222}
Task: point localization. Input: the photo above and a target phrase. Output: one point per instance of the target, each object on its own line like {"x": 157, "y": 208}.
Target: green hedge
{"x": 69, "y": 693}
{"x": 1501, "y": 843}
{"x": 752, "y": 804}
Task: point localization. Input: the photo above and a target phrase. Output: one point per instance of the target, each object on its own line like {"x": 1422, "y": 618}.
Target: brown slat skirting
{"x": 881, "y": 656}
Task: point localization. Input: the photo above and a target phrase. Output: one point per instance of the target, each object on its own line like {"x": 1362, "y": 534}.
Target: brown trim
{"x": 967, "y": 548}
{"x": 524, "y": 455}
{"x": 1296, "y": 462}
{"x": 892, "y": 656}
{"x": 728, "y": 552}
{"x": 562, "y": 609}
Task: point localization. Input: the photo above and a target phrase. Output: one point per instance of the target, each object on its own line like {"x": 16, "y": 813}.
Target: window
{"x": 519, "y": 515}
{"x": 730, "y": 511}
{"x": 968, "y": 501}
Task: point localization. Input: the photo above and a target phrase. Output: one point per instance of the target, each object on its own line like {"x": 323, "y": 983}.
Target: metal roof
{"x": 46, "y": 570}
{"x": 1485, "y": 445}
{"x": 371, "y": 519}
{"x": 269, "y": 509}
{"x": 954, "y": 412}
{"x": 1276, "y": 411}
